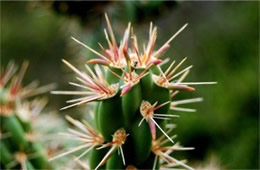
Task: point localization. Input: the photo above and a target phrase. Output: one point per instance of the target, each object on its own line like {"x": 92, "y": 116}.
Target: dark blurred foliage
{"x": 136, "y": 11}
{"x": 222, "y": 42}
{"x": 90, "y": 12}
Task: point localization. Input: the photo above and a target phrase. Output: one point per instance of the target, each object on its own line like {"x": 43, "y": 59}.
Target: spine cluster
{"x": 133, "y": 96}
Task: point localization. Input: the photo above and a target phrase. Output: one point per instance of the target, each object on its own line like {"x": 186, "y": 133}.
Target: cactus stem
{"x": 126, "y": 66}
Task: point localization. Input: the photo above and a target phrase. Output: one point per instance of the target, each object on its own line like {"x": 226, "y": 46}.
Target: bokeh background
{"x": 221, "y": 42}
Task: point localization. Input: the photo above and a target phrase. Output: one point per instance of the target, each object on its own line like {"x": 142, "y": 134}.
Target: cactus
{"x": 133, "y": 97}
{"x": 19, "y": 147}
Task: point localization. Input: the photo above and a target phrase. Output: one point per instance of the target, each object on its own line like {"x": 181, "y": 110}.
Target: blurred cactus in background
{"x": 20, "y": 147}
{"x": 221, "y": 42}
{"x": 134, "y": 98}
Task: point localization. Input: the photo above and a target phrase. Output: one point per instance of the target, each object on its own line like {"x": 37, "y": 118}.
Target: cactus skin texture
{"x": 17, "y": 138}
{"x": 134, "y": 97}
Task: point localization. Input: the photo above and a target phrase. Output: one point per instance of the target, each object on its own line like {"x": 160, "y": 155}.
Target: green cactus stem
{"x": 134, "y": 98}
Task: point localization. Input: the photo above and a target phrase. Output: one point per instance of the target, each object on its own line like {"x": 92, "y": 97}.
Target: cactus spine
{"x": 19, "y": 147}
{"x": 134, "y": 97}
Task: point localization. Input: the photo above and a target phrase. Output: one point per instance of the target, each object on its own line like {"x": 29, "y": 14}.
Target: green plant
{"x": 19, "y": 146}
{"x": 134, "y": 97}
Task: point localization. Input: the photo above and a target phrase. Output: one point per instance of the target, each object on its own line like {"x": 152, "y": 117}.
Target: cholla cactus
{"x": 134, "y": 96}
{"x": 19, "y": 146}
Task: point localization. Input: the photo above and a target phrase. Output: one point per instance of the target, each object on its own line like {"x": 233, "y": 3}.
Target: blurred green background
{"x": 221, "y": 42}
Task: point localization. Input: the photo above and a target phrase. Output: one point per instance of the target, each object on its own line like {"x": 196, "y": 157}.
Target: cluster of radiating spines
{"x": 85, "y": 134}
{"x": 119, "y": 138}
{"x": 115, "y": 55}
{"x": 148, "y": 111}
{"x": 28, "y": 110}
{"x": 119, "y": 57}
{"x": 94, "y": 84}
{"x": 162, "y": 150}
{"x": 91, "y": 139}
{"x": 130, "y": 78}
{"x": 174, "y": 81}
{"x": 20, "y": 158}
{"x": 15, "y": 92}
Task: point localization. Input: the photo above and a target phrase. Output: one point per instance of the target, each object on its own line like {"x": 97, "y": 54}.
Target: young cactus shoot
{"x": 133, "y": 97}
